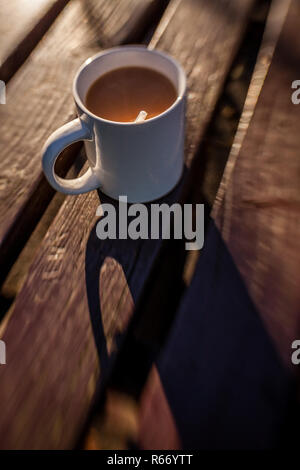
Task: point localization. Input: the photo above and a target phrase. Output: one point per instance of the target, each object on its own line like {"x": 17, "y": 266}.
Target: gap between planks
{"x": 44, "y": 86}
{"x": 23, "y": 26}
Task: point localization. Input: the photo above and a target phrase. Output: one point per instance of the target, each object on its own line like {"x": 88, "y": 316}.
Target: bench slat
{"x": 39, "y": 100}
{"x": 22, "y": 25}
{"x": 239, "y": 390}
{"x": 258, "y": 215}
{"x": 36, "y": 426}
{"x": 76, "y": 276}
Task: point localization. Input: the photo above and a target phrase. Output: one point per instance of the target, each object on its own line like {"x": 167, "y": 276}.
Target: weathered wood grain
{"x": 222, "y": 385}
{"x": 22, "y": 25}
{"x": 206, "y": 54}
{"x": 42, "y": 88}
{"x": 258, "y": 215}
{"x": 75, "y": 276}
{"x": 157, "y": 426}
{"x": 39, "y": 100}
{"x": 275, "y": 22}
{"x": 244, "y": 170}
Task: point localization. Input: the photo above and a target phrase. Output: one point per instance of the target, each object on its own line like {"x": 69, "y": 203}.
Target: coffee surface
{"x": 120, "y": 95}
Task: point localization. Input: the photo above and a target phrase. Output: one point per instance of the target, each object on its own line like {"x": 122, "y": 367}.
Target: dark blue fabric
{"x": 222, "y": 377}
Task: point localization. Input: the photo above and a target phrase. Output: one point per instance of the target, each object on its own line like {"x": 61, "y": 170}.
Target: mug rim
{"x": 91, "y": 59}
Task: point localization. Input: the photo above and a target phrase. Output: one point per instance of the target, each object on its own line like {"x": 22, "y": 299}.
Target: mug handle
{"x": 60, "y": 139}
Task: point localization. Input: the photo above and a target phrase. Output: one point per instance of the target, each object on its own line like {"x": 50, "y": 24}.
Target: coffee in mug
{"x": 126, "y": 157}
{"x": 121, "y": 94}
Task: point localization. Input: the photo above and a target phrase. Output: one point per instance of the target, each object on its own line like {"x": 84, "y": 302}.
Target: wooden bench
{"x": 235, "y": 385}
{"x": 82, "y": 297}
{"x": 21, "y": 29}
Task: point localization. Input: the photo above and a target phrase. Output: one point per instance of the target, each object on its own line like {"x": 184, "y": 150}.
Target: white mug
{"x": 142, "y": 161}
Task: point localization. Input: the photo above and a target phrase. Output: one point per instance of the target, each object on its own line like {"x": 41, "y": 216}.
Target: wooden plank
{"x": 22, "y": 25}
{"x": 39, "y": 100}
{"x": 35, "y": 425}
{"x": 258, "y": 212}
{"x": 208, "y": 52}
{"x": 219, "y": 419}
{"x": 75, "y": 276}
{"x": 219, "y": 383}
